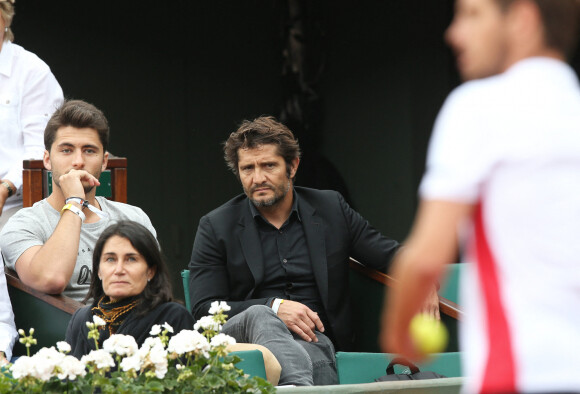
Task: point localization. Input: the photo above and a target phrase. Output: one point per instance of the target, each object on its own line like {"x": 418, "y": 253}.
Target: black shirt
{"x": 288, "y": 270}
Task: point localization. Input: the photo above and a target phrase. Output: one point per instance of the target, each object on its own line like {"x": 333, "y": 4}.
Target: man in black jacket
{"x": 278, "y": 255}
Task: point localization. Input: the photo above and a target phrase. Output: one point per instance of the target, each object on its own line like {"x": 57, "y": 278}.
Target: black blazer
{"x": 226, "y": 262}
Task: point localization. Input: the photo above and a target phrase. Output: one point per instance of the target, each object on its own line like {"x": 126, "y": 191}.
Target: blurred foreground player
{"x": 503, "y": 181}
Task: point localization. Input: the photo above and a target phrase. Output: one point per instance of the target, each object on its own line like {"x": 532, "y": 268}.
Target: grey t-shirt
{"x": 33, "y": 226}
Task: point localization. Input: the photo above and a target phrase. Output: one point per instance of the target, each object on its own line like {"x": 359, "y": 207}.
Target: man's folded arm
{"x": 49, "y": 267}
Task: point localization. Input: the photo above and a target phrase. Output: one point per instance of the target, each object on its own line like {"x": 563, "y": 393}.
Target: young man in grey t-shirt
{"x": 50, "y": 244}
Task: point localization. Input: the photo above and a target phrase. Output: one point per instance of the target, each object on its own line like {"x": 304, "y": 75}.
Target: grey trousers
{"x": 303, "y": 363}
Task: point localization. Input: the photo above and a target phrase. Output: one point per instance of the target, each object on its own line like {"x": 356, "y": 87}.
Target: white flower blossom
{"x": 50, "y": 353}
{"x": 41, "y": 366}
{"x": 43, "y": 369}
{"x": 63, "y": 347}
{"x": 71, "y": 368}
{"x": 158, "y": 357}
{"x": 207, "y": 323}
{"x": 151, "y": 342}
{"x": 132, "y": 363}
{"x": 151, "y": 356}
{"x": 123, "y": 345}
{"x": 22, "y": 367}
{"x": 101, "y": 358}
{"x": 99, "y": 321}
{"x": 155, "y": 330}
{"x": 189, "y": 341}
{"x": 168, "y": 327}
{"x": 219, "y": 306}
{"x": 45, "y": 362}
{"x": 222, "y": 339}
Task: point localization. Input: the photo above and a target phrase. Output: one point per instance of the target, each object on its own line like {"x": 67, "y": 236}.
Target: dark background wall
{"x": 175, "y": 78}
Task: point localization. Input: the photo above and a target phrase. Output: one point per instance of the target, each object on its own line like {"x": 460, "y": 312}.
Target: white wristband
{"x": 276, "y": 304}
{"x": 74, "y": 209}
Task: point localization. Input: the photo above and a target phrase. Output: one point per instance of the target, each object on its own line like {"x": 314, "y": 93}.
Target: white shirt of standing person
{"x": 8, "y": 333}
{"x": 29, "y": 94}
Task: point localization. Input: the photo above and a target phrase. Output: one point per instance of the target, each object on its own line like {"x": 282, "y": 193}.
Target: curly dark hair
{"x": 158, "y": 289}
{"x": 264, "y": 130}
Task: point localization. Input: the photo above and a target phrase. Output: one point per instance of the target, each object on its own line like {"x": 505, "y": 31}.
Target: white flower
{"x": 123, "y": 345}
{"x": 222, "y": 339}
{"x": 151, "y": 342}
{"x": 132, "y": 363}
{"x": 188, "y": 341}
{"x": 49, "y": 353}
{"x": 43, "y": 364}
{"x": 63, "y": 347}
{"x": 151, "y": 356}
{"x": 47, "y": 363}
{"x": 155, "y": 330}
{"x": 101, "y": 358}
{"x": 207, "y": 323}
{"x": 98, "y": 321}
{"x": 71, "y": 368}
{"x": 158, "y": 357}
{"x": 218, "y": 306}
{"x": 22, "y": 367}
{"x": 168, "y": 327}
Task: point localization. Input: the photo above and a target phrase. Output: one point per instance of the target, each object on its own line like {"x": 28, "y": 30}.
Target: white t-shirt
{"x": 511, "y": 145}
{"x": 34, "y": 225}
{"x": 29, "y": 94}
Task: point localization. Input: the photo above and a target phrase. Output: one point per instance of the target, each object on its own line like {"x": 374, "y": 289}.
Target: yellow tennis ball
{"x": 428, "y": 334}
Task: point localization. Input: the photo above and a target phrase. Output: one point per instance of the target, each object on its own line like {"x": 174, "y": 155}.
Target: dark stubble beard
{"x": 279, "y": 194}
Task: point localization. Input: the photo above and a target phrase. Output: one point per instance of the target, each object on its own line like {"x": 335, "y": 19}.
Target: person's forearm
{"x": 7, "y": 189}
{"x": 49, "y": 270}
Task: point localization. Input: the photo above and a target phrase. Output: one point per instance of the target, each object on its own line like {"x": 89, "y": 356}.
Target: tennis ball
{"x": 428, "y": 335}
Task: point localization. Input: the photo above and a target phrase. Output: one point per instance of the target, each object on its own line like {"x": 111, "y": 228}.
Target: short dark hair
{"x": 561, "y": 19}
{"x": 264, "y": 130}
{"x": 78, "y": 114}
{"x": 158, "y": 289}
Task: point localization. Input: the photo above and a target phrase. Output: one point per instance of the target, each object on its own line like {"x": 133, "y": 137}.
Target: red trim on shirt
{"x": 499, "y": 374}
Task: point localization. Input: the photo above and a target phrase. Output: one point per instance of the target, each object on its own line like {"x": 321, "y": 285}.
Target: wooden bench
{"x": 367, "y": 287}
{"x": 47, "y": 314}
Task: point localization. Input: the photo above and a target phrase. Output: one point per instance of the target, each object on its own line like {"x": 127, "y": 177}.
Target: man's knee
{"x": 260, "y": 315}
{"x": 254, "y": 322}
{"x": 259, "y": 310}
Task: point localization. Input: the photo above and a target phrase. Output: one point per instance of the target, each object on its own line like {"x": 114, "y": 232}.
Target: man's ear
{"x": 294, "y": 167}
{"x": 105, "y": 161}
{"x": 526, "y": 22}
{"x": 46, "y": 160}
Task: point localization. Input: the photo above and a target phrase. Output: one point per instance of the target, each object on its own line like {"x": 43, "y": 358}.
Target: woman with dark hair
{"x": 130, "y": 290}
